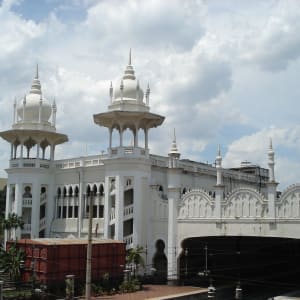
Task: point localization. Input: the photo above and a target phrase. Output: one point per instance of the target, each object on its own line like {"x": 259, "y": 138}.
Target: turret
{"x": 174, "y": 154}
{"x": 272, "y": 184}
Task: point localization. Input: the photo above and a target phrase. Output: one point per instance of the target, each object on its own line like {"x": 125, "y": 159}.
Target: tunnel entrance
{"x": 256, "y": 261}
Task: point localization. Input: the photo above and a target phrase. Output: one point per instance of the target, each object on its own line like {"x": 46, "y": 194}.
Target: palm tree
{"x": 11, "y": 261}
{"x": 13, "y": 221}
{"x": 135, "y": 258}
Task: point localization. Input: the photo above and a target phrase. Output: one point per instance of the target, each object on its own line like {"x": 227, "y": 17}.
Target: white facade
{"x": 144, "y": 199}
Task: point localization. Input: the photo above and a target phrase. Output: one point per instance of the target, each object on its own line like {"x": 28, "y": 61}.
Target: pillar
{"x": 119, "y": 211}
{"x": 272, "y": 196}
{"x": 106, "y": 207}
{"x": 173, "y": 197}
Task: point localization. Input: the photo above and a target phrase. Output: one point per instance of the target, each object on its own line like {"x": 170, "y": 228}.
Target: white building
{"x": 135, "y": 194}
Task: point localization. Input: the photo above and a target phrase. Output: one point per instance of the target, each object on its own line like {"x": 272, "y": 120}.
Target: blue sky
{"x": 221, "y": 72}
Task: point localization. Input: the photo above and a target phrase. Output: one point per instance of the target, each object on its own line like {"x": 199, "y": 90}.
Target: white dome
{"x": 31, "y": 105}
{"x": 131, "y": 90}
{"x": 32, "y": 109}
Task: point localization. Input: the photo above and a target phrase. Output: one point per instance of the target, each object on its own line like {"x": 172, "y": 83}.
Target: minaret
{"x": 219, "y": 187}
{"x": 272, "y": 184}
{"x": 174, "y": 154}
{"x": 174, "y": 189}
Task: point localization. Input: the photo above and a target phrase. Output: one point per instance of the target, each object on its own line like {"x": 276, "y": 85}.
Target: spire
{"x": 129, "y": 71}
{"x": 147, "y": 94}
{"x": 271, "y": 162}
{"x": 174, "y": 149}
{"x": 37, "y": 72}
{"x": 174, "y": 154}
{"x": 36, "y": 85}
{"x": 129, "y": 61}
{"x": 111, "y": 92}
{"x": 219, "y": 166}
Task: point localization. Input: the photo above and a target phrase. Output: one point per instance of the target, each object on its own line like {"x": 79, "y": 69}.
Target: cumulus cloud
{"x": 205, "y": 63}
{"x": 254, "y": 148}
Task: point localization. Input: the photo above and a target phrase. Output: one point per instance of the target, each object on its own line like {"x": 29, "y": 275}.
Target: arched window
{"x": 101, "y": 190}
{"x": 88, "y": 190}
{"x": 94, "y": 189}
{"x": 161, "y": 189}
{"x": 76, "y": 191}
{"x": 65, "y": 191}
{"x": 70, "y": 191}
{"x": 59, "y": 192}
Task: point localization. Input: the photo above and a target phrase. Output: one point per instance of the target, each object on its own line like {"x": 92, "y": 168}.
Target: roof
{"x": 60, "y": 241}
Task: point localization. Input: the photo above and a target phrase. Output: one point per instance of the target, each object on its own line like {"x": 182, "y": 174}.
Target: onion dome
{"x": 34, "y": 108}
{"x": 129, "y": 88}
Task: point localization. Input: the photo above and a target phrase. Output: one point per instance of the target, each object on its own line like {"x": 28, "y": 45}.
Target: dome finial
{"x": 37, "y": 72}
{"x": 36, "y": 85}
{"x": 129, "y": 61}
{"x": 270, "y": 144}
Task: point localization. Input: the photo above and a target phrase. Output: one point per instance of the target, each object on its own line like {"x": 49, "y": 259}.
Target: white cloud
{"x": 205, "y": 62}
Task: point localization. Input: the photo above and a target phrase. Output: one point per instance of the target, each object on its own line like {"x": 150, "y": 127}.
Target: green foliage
{"x": 135, "y": 258}
{"x": 130, "y": 286}
{"x": 11, "y": 261}
{"x": 13, "y": 221}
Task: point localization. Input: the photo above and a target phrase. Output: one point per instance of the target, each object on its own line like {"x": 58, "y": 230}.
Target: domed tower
{"x": 33, "y": 138}
{"x": 129, "y": 109}
{"x": 128, "y": 167}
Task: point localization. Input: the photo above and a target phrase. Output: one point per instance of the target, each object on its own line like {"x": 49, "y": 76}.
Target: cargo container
{"x": 50, "y": 260}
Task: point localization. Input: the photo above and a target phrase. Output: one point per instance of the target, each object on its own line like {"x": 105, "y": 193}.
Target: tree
{"x": 11, "y": 261}
{"x": 13, "y": 221}
{"x": 135, "y": 259}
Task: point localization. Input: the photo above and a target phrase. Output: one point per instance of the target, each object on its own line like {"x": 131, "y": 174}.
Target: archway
{"x": 160, "y": 262}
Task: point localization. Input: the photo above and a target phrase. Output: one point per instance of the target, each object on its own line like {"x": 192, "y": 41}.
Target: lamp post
{"x": 89, "y": 253}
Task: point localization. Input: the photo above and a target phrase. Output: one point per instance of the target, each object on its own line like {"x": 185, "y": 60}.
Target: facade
{"x": 136, "y": 196}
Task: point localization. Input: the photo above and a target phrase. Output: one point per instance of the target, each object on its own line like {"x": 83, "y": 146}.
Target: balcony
{"x": 112, "y": 216}
{"x": 29, "y": 163}
{"x": 128, "y": 240}
{"x": 128, "y": 212}
{"x": 26, "y": 229}
{"x": 42, "y": 223}
{"x": 27, "y": 202}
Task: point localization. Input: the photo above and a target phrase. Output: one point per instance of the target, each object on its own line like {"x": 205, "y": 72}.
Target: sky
{"x": 221, "y": 72}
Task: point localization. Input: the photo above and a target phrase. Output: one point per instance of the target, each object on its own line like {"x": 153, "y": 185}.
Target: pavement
{"x": 154, "y": 292}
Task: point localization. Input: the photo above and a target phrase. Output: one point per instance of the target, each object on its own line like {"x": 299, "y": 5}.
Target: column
{"x": 110, "y": 137}
{"x": 219, "y": 190}
{"x": 11, "y": 151}
{"x": 22, "y": 149}
{"x": 106, "y": 207}
{"x": 121, "y": 137}
{"x": 146, "y": 138}
{"x": 38, "y": 150}
{"x": 272, "y": 195}
{"x": 173, "y": 196}
{"x": 119, "y": 208}
{"x": 52, "y": 149}
{"x": 35, "y": 212}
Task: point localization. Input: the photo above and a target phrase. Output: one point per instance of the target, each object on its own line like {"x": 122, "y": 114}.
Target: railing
{"x": 128, "y": 210}
{"x": 112, "y": 214}
{"x": 42, "y": 223}
{"x": 26, "y": 228}
{"x": 27, "y": 202}
{"x": 81, "y": 162}
{"x": 128, "y": 240}
{"x": 128, "y": 151}
{"x": 30, "y": 163}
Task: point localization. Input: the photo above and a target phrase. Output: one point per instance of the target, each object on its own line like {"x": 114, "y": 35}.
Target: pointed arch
{"x": 245, "y": 202}
{"x": 196, "y": 204}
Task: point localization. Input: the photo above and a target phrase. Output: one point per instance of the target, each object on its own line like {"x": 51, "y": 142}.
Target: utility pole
{"x": 89, "y": 252}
